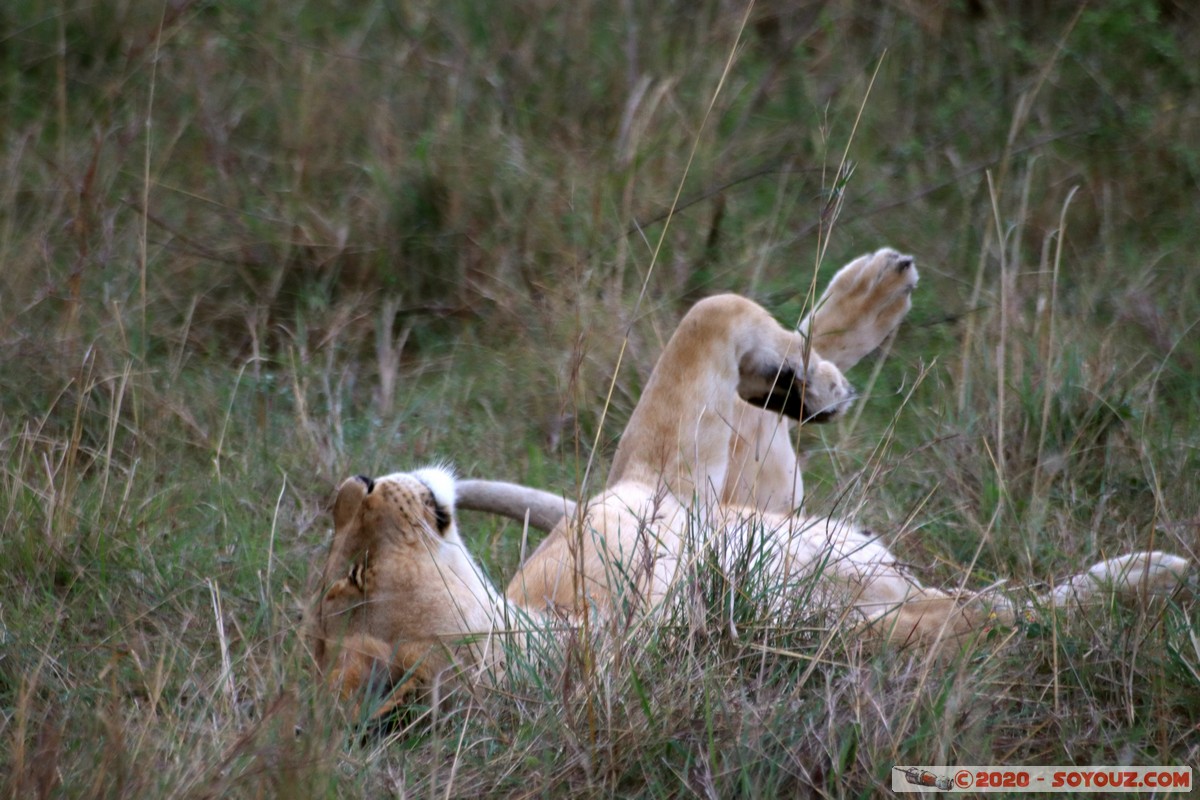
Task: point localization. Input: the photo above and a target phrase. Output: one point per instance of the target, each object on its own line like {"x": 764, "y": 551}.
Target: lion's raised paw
{"x": 863, "y": 304}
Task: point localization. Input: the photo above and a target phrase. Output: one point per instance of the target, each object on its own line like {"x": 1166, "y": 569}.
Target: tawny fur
{"x": 400, "y": 592}
{"x": 403, "y": 601}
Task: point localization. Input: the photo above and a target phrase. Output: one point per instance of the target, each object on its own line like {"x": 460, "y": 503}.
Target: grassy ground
{"x": 251, "y": 248}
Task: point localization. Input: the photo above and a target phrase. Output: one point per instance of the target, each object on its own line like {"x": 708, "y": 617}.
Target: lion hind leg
{"x": 1132, "y": 575}
{"x": 932, "y": 615}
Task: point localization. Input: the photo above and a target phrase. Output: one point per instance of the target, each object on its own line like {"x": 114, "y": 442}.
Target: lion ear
{"x": 440, "y": 480}
{"x": 349, "y": 497}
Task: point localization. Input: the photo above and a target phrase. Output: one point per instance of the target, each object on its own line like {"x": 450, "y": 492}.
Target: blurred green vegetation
{"x": 247, "y": 249}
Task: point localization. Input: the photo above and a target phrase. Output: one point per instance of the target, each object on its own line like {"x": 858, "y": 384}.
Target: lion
{"x": 400, "y": 591}
{"x": 703, "y": 470}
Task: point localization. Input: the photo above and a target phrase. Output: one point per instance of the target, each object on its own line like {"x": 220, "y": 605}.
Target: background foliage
{"x": 251, "y": 248}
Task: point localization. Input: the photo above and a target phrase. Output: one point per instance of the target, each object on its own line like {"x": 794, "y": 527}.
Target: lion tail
{"x": 544, "y": 509}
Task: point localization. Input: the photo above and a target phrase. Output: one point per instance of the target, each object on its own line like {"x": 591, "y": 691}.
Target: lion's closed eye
{"x": 358, "y": 575}
{"x": 441, "y": 515}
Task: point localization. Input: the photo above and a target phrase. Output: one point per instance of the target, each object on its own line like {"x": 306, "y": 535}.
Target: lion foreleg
{"x": 367, "y": 670}
{"x": 863, "y": 304}
{"x": 764, "y": 471}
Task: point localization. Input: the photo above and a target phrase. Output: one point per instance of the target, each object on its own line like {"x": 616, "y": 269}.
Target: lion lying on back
{"x": 706, "y": 450}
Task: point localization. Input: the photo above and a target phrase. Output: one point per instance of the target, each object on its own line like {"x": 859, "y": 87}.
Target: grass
{"x": 250, "y": 249}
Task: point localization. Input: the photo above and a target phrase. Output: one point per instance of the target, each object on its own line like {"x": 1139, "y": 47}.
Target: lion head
{"x": 401, "y": 600}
